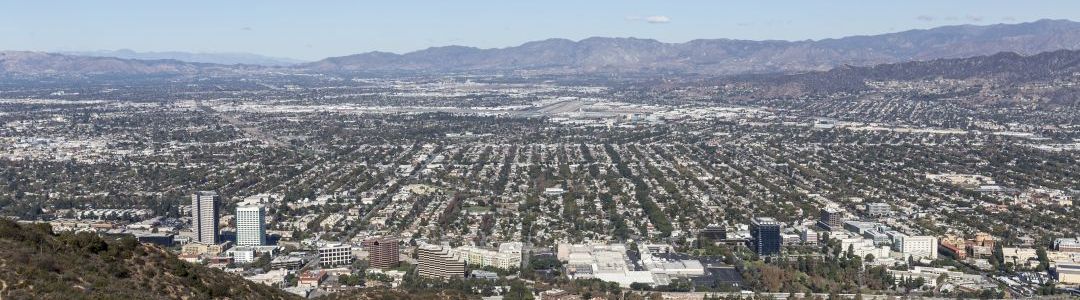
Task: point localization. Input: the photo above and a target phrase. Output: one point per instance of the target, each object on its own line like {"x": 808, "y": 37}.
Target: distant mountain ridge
{"x": 600, "y": 55}
{"x": 1002, "y": 73}
{"x": 52, "y": 64}
{"x": 721, "y": 56}
{"x": 225, "y": 58}
{"x": 1004, "y": 66}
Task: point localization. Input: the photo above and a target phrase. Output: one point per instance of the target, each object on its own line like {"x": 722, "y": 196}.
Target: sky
{"x": 312, "y": 30}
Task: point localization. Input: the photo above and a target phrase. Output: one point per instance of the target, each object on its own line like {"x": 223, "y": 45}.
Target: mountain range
{"x": 722, "y": 56}
{"x": 601, "y": 55}
{"x": 27, "y": 63}
{"x": 1001, "y": 73}
{"x": 210, "y": 58}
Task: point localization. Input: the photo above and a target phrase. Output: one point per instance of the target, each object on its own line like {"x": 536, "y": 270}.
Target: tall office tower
{"x": 204, "y": 216}
{"x": 766, "y": 234}
{"x": 250, "y": 226}
{"x": 382, "y": 252}
{"x": 438, "y": 262}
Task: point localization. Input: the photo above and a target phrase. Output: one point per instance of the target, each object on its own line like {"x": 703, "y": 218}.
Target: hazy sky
{"x": 317, "y": 29}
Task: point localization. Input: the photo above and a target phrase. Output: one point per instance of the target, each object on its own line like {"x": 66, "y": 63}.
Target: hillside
{"x": 38, "y": 264}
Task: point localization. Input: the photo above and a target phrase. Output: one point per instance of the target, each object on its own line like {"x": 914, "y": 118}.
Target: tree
{"x": 1044, "y": 262}
{"x": 262, "y": 262}
{"x": 518, "y": 291}
{"x": 351, "y": 280}
{"x": 638, "y": 286}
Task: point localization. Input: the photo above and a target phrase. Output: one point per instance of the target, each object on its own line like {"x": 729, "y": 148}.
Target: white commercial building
{"x": 274, "y": 278}
{"x": 508, "y": 256}
{"x": 808, "y": 236}
{"x": 204, "y": 217}
{"x": 861, "y": 247}
{"x": 249, "y": 254}
{"x": 654, "y": 259}
{"x": 920, "y": 246}
{"x": 250, "y": 226}
{"x": 243, "y": 255}
{"x": 604, "y": 262}
{"x": 335, "y": 255}
{"x": 877, "y": 209}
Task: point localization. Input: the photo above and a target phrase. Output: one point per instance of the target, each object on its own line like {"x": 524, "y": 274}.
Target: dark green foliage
{"x": 35, "y": 263}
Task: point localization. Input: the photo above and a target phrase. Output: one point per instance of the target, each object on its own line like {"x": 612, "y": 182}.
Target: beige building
{"x": 1068, "y": 273}
{"x": 439, "y": 262}
{"x": 204, "y": 217}
{"x": 508, "y": 256}
{"x": 204, "y": 249}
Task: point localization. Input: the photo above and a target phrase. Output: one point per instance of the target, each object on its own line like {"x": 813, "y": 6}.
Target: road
{"x": 701, "y": 295}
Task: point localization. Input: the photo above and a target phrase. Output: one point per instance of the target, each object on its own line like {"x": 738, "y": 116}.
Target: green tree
{"x": 518, "y": 291}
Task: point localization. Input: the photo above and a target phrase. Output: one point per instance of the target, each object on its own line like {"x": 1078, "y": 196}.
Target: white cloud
{"x": 651, "y": 19}
{"x": 657, "y": 19}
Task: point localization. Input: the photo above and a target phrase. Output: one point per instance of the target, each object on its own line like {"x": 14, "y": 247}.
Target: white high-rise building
{"x": 250, "y": 226}
{"x": 204, "y": 217}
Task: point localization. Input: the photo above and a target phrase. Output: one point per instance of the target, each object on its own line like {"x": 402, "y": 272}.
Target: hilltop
{"x": 36, "y": 263}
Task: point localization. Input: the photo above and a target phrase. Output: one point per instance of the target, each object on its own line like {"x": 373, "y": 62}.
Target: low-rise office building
{"x": 916, "y": 247}
{"x": 335, "y": 255}
{"x": 508, "y": 256}
{"x": 1068, "y": 272}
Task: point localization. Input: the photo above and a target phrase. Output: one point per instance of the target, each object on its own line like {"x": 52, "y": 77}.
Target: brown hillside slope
{"x": 35, "y": 263}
